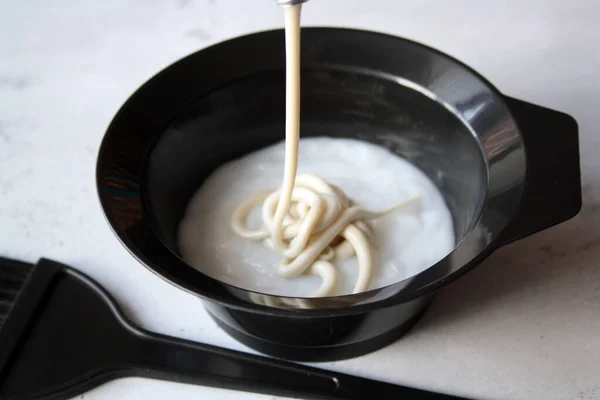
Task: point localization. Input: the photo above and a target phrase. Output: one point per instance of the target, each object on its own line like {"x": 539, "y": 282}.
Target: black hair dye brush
{"x": 62, "y": 334}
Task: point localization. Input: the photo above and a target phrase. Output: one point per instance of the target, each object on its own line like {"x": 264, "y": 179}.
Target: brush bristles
{"x": 13, "y": 275}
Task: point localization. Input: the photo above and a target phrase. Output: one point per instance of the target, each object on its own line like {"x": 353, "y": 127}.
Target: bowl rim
{"x": 481, "y": 237}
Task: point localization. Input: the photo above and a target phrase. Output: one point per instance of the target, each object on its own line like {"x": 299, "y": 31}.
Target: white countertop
{"x": 524, "y": 325}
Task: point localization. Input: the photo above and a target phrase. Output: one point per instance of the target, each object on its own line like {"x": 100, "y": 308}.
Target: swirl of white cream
{"x": 319, "y": 215}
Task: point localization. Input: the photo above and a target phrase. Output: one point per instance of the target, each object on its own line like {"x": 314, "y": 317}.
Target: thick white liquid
{"x": 406, "y": 242}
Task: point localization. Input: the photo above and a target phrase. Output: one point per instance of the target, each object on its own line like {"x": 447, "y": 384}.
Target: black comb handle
{"x": 69, "y": 337}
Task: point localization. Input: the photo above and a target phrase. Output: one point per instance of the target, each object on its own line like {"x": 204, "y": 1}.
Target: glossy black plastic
{"x": 492, "y": 157}
{"x": 65, "y": 335}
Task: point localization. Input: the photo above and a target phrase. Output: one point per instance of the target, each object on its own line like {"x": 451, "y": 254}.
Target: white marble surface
{"x": 524, "y": 325}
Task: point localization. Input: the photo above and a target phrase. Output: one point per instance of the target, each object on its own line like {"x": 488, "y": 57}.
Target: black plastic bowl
{"x": 506, "y": 168}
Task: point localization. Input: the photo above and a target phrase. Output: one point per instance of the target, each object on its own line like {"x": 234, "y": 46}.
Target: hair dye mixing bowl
{"x": 506, "y": 168}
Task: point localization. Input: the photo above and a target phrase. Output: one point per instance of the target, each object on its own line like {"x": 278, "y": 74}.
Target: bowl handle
{"x": 552, "y": 192}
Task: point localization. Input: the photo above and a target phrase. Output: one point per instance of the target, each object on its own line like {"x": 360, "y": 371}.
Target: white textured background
{"x": 524, "y": 325}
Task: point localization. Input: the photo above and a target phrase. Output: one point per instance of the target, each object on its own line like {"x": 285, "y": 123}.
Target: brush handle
{"x": 183, "y": 361}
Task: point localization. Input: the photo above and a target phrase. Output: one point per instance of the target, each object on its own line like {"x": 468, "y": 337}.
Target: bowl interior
{"x": 228, "y": 100}
{"x": 248, "y": 114}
